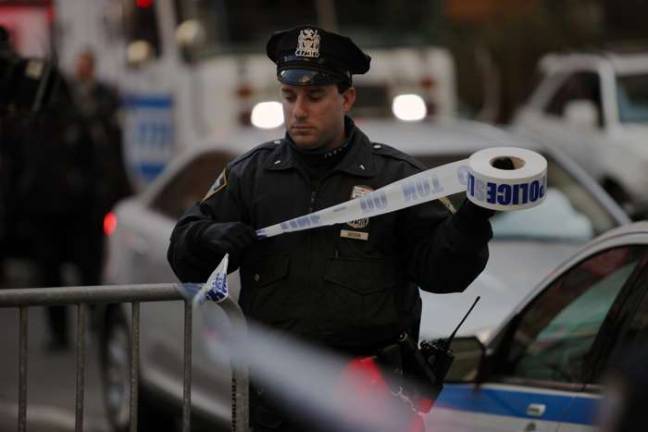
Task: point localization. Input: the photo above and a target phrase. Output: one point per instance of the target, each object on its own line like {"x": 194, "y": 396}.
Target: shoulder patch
{"x": 219, "y": 184}
{"x": 267, "y": 146}
{"x": 391, "y": 152}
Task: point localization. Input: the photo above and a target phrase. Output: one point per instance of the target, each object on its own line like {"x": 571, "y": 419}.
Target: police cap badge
{"x": 309, "y": 55}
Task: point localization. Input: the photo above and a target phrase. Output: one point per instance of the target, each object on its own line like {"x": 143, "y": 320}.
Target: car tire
{"x": 114, "y": 362}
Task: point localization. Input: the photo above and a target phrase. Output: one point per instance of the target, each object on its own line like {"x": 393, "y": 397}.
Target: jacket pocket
{"x": 270, "y": 269}
{"x": 266, "y": 293}
{"x": 359, "y": 300}
{"x": 362, "y": 276}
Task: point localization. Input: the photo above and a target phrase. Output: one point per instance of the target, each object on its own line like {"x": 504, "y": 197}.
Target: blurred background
{"x": 107, "y": 108}
{"x": 199, "y": 64}
{"x": 499, "y": 40}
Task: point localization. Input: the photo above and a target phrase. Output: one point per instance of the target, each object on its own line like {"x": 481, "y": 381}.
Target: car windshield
{"x": 569, "y": 212}
{"x": 244, "y": 25}
{"x": 632, "y": 97}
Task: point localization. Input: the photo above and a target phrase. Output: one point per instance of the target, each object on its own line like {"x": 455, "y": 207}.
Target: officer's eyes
{"x": 313, "y": 97}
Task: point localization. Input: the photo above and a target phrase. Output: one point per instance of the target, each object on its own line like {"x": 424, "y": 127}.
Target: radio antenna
{"x": 449, "y": 341}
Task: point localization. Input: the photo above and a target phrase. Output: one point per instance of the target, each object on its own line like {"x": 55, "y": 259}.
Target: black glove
{"x": 229, "y": 237}
{"x": 470, "y": 213}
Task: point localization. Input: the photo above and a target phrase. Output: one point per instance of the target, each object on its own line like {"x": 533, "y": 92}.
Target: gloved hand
{"x": 228, "y": 237}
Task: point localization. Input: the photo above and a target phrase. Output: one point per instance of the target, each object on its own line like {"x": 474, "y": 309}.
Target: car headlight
{"x": 267, "y": 115}
{"x": 409, "y": 107}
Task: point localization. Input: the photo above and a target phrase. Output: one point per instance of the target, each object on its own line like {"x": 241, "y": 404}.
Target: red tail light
{"x": 109, "y": 223}
{"x": 143, "y": 4}
{"x": 244, "y": 91}
{"x": 428, "y": 83}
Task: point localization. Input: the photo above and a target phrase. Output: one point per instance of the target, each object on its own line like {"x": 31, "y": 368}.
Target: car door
{"x": 543, "y": 361}
{"x": 627, "y": 332}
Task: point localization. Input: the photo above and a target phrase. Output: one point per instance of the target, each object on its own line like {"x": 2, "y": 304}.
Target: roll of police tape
{"x": 499, "y": 189}
{"x": 494, "y": 188}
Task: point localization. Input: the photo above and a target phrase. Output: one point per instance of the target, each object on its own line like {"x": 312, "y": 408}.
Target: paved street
{"x": 51, "y": 376}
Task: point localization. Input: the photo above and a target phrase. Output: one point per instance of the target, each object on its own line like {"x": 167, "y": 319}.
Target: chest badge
{"x": 357, "y": 192}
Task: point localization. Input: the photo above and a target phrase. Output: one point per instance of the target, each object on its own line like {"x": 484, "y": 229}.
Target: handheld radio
{"x": 431, "y": 361}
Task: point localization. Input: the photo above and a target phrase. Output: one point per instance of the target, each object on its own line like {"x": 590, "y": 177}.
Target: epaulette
{"x": 266, "y": 146}
{"x": 391, "y": 152}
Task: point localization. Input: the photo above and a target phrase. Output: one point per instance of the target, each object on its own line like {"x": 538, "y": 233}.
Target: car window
{"x": 579, "y": 86}
{"x": 569, "y": 212}
{"x": 632, "y": 97}
{"x": 190, "y": 184}
{"x": 557, "y": 330}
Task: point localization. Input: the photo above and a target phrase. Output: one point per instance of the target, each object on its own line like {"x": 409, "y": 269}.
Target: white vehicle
{"x": 527, "y": 245}
{"x": 195, "y": 71}
{"x": 595, "y": 108}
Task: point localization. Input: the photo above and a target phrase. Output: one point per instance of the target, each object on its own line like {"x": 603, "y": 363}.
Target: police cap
{"x": 309, "y": 55}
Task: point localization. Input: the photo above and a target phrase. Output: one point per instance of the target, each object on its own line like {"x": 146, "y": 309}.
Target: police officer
{"x": 351, "y": 287}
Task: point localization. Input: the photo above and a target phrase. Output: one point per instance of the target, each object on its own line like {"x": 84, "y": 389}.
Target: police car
{"x": 527, "y": 245}
{"x": 541, "y": 370}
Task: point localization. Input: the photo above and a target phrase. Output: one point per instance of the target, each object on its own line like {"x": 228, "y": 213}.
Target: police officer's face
{"x": 315, "y": 114}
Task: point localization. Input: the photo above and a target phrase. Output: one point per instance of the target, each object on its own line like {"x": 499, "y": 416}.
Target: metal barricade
{"x": 82, "y": 296}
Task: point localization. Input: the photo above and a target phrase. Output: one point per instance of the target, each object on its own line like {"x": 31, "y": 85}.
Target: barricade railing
{"x": 82, "y": 296}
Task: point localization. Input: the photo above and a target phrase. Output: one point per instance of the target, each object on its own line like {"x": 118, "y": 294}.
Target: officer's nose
{"x": 300, "y": 109}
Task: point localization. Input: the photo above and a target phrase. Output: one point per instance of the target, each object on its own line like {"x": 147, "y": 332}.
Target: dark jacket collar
{"x": 358, "y": 160}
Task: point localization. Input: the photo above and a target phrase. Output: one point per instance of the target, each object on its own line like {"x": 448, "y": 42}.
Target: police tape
{"x": 522, "y": 187}
{"x": 215, "y": 289}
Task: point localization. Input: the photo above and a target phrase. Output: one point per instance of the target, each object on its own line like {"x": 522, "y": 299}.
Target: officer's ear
{"x": 348, "y": 98}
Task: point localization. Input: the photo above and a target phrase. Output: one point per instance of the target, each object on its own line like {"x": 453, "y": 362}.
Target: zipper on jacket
{"x": 311, "y": 204}
{"x": 309, "y": 233}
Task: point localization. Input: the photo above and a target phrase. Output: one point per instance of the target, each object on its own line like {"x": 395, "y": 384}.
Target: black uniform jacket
{"x": 351, "y": 293}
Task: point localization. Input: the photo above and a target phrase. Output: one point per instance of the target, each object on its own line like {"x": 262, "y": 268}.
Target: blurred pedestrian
{"x": 98, "y": 105}
{"x": 55, "y": 187}
{"x": 6, "y": 146}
